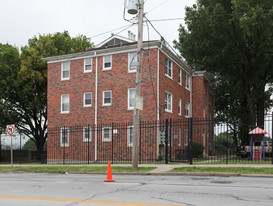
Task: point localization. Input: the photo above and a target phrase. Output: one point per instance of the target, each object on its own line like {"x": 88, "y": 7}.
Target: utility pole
{"x": 138, "y": 99}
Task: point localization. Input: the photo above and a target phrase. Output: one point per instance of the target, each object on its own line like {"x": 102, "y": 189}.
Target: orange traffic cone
{"x": 109, "y": 174}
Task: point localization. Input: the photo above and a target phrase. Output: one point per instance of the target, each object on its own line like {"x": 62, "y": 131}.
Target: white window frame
{"x": 131, "y": 99}
{"x": 108, "y": 139}
{"x": 62, "y": 142}
{"x": 132, "y": 64}
{"x": 180, "y": 77}
{"x": 85, "y": 134}
{"x": 186, "y": 139}
{"x": 187, "y": 109}
{"x": 104, "y": 62}
{"x": 130, "y": 136}
{"x": 85, "y": 65}
{"x": 168, "y": 101}
{"x": 103, "y": 98}
{"x": 169, "y": 68}
{"x": 187, "y": 81}
{"x": 84, "y": 99}
{"x": 179, "y": 107}
{"x": 64, "y": 70}
{"x": 62, "y": 100}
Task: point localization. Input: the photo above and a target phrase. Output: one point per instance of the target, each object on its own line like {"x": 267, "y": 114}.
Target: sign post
{"x": 10, "y": 132}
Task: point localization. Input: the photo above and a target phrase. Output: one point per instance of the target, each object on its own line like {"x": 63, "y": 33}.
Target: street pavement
{"x": 32, "y": 189}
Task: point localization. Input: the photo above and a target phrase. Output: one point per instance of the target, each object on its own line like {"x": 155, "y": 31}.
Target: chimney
{"x": 129, "y": 35}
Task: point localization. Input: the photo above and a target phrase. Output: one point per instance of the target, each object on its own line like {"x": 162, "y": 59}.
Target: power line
{"x": 157, "y": 6}
{"x": 244, "y": 14}
{"x": 170, "y": 45}
{"x": 122, "y": 27}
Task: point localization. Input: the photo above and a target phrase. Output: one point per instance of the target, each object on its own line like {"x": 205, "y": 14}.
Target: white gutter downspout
{"x": 157, "y": 103}
{"x": 96, "y": 110}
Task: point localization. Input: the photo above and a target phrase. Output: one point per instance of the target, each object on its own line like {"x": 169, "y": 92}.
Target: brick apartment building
{"x": 98, "y": 86}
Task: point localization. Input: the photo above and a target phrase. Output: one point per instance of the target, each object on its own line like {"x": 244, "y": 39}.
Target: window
{"x": 87, "y": 99}
{"x": 131, "y": 98}
{"x": 107, "y": 98}
{"x": 130, "y": 136}
{"x": 179, "y": 106}
{"x": 179, "y": 136}
{"x": 132, "y": 62}
{"x": 187, "y": 109}
{"x": 107, "y": 62}
{"x": 186, "y": 137}
{"x": 87, "y": 134}
{"x": 180, "y": 76}
{"x": 64, "y": 137}
{"x": 65, "y": 103}
{"x": 88, "y": 65}
{"x": 168, "y": 102}
{"x": 187, "y": 82}
{"x": 106, "y": 134}
{"x": 65, "y": 70}
{"x": 168, "y": 68}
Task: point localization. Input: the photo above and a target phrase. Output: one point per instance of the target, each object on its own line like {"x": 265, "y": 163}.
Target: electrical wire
{"x": 97, "y": 35}
{"x": 149, "y": 67}
{"x": 170, "y": 46}
{"x": 157, "y": 6}
{"x": 243, "y": 14}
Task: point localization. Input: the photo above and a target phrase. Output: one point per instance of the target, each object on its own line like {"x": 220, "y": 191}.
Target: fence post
{"x": 140, "y": 142}
{"x": 64, "y": 138}
{"x": 166, "y": 141}
{"x": 0, "y": 144}
{"x": 88, "y": 133}
{"x": 20, "y": 154}
{"x": 190, "y": 131}
{"x": 112, "y": 142}
{"x": 170, "y": 137}
{"x": 227, "y": 146}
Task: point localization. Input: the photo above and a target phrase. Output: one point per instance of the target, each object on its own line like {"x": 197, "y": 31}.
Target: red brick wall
{"x": 119, "y": 81}
{"x": 172, "y": 86}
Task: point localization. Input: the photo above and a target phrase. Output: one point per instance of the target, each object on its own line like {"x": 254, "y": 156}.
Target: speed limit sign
{"x": 10, "y": 129}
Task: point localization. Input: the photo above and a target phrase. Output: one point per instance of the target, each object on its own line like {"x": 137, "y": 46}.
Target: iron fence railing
{"x": 189, "y": 140}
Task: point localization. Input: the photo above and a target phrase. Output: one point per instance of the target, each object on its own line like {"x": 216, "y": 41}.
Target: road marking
{"x": 84, "y": 201}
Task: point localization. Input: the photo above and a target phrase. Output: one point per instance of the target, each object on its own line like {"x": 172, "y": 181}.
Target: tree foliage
{"x": 23, "y": 81}
{"x": 232, "y": 39}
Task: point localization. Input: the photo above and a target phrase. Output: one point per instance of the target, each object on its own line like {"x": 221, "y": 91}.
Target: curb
{"x": 218, "y": 174}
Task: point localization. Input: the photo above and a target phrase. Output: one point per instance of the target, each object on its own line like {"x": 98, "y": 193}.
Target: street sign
{"x": 10, "y": 129}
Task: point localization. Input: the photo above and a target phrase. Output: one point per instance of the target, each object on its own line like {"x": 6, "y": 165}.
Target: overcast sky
{"x": 20, "y": 20}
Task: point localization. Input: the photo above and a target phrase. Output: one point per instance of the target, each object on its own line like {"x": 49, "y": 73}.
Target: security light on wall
{"x": 133, "y": 6}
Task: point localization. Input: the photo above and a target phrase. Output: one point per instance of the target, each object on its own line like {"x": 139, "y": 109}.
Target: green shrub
{"x": 198, "y": 149}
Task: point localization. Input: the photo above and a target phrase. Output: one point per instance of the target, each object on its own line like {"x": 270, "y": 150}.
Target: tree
{"x": 233, "y": 39}
{"x": 23, "y": 82}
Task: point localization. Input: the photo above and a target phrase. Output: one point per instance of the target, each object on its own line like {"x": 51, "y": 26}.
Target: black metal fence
{"x": 101, "y": 143}
{"x": 189, "y": 140}
{"x": 205, "y": 141}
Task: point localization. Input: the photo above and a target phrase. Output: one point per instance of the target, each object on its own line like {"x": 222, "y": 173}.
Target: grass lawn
{"x": 72, "y": 169}
{"x": 238, "y": 170}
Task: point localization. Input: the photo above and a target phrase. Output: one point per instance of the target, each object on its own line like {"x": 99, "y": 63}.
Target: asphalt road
{"x": 90, "y": 189}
